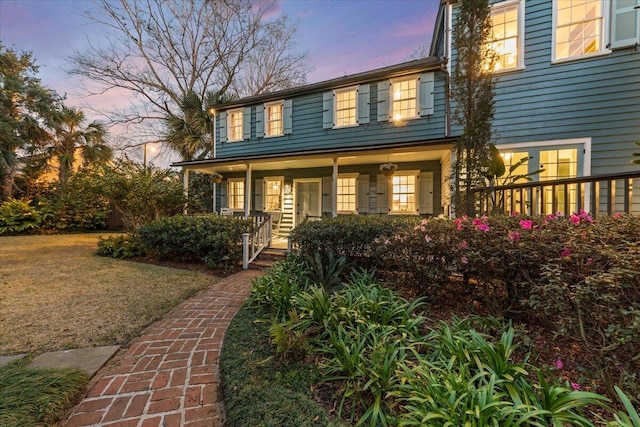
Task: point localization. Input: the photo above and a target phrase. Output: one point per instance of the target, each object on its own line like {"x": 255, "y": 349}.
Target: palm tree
{"x": 68, "y": 136}
{"x": 189, "y": 134}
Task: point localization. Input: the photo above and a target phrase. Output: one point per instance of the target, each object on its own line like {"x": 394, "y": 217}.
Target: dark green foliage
{"x": 30, "y": 397}
{"x": 472, "y": 92}
{"x": 78, "y": 204}
{"x": 258, "y": 389}
{"x": 123, "y": 246}
{"x": 18, "y": 216}
{"x": 142, "y": 194}
{"x": 216, "y": 239}
{"x": 325, "y": 270}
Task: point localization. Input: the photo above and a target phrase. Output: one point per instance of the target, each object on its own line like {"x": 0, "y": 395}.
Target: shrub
{"x": 18, "y": 216}
{"x": 217, "y": 239}
{"x": 123, "y": 246}
{"x": 79, "y": 204}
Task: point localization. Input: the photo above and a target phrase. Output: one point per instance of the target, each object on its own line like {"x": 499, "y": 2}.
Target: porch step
{"x": 272, "y": 254}
{"x": 260, "y": 264}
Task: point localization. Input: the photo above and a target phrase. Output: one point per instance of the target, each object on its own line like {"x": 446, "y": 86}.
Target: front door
{"x": 308, "y": 199}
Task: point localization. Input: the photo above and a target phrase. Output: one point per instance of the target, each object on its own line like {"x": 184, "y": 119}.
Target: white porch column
{"x": 247, "y": 192}
{"x": 185, "y": 184}
{"x": 334, "y": 189}
{"x": 213, "y": 198}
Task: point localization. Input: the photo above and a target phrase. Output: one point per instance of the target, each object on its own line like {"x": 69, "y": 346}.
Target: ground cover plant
{"x": 564, "y": 288}
{"x": 30, "y": 397}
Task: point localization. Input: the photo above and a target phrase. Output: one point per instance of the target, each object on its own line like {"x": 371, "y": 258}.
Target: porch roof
{"x": 396, "y": 152}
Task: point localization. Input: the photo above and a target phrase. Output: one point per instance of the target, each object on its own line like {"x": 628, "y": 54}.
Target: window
{"x": 403, "y": 191}
{"x": 346, "y": 113}
{"x": 274, "y": 119}
{"x": 236, "y": 194}
{"x": 272, "y": 194}
{"x": 506, "y": 38}
{"x": 347, "y": 197}
{"x": 404, "y": 102}
{"x": 578, "y": 28}
{"x": 234, "y": 122}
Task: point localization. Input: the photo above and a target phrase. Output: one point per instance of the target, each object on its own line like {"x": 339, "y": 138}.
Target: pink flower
{"x": 458, "y": 222}
{"x": 483, "y": 227}
{"x": 575, "y": 219}
{"x": 424, "y": 222}
{"x": 464, "y": 260}
{"x": 575, "y": 386}
{"x": 589, "y": 260}
{"x": 464, "y": 244}
{"x": 514, "y": 214}
{"x": 526, "y": 224}
{"x": 559, "y": 364}
{"x": 617, "y": 215}
{"x": 565, "y": 252}
{"x": 514, "y": 236}
{"x": 550, "y": 217}
{"x": 427, "y": 238}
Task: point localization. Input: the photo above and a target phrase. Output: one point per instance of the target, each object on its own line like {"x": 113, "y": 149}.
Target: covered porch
{"x": 308, "y": 185}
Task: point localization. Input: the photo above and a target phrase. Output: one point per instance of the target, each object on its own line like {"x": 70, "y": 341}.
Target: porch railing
{"x": 259, "y": 238}
{"x": 596, "y": 194}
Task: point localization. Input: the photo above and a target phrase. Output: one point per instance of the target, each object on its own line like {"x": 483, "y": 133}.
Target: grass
{"x": 55, "y": 294}
{"x": 30, "y": 397}
{"x": 259, "y": 390}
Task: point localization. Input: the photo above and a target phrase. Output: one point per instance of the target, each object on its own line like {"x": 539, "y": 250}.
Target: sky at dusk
{"x": 340, "y": 36}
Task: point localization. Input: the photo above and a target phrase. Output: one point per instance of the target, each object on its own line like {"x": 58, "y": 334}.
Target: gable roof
{"x": 404, "y": 68}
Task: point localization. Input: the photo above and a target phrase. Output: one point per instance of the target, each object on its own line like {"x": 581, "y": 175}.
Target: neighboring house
{"x": 316, "y": 150}
{"x": 567, "y": 95}
{"x": 567, "y": 85}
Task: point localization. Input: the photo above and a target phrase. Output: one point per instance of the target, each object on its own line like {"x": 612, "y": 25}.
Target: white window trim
{"x": 416, "y": 115}
{"x": 335, "y": 106}
{"x": 264, "y": 191}
{"x": 350, "y": 175}
{"x": 266, "y": 118}
{"x": 585, "y": 142}
{"x": 416, "y": 196}
{"x": 521, "y": 34}
{"x": 244, "y": 196}
{"x": 229, "y": 114}
{"x": 605, "y": 31}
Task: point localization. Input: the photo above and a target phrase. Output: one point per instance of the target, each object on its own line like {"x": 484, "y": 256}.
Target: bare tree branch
{"x": 161, "y": 50}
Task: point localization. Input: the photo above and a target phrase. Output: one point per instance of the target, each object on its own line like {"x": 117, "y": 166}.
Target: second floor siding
{"x": 595, "y": 97}
{"x": 308, "y": 126}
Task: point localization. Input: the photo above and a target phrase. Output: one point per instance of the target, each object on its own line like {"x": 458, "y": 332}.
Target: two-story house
{"x": 567, "y": 96}
{"x": 567, "y": 86}
{"x": 317, "y": 149}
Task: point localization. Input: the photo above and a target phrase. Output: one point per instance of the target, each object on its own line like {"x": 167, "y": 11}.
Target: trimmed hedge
{"x": 216, "y": 240}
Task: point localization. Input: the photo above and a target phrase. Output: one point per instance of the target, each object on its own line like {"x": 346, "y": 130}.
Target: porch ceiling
{"x": 400, "y": 155}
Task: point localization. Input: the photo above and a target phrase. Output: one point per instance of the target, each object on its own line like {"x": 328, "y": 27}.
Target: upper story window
{"x": 234, "y": 121}
{"x": 347, "y": 193}
{"x": 236, "y": 194}
{"x": 578, "y": 28}
{"x": 507, "y": 35}
{"x": 345, "y": 107}
{"x": 274, "y": 116}
{"x": 404, "y": 98}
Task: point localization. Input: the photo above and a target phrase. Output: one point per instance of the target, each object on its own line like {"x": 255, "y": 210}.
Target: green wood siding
{"x": 597, "y": 97}
{"x": 309, "y": 119}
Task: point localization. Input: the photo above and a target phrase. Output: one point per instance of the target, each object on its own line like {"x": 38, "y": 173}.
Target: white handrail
{"x": 253, "y": 243}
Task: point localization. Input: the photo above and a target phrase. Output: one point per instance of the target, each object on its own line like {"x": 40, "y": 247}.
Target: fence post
{"x": 245, "y": 251}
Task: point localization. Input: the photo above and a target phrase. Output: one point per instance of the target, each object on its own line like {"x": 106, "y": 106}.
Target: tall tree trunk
{"x": 6, "y": 186}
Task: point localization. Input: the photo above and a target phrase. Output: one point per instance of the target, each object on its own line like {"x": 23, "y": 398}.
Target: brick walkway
{"x": 169, "y": 376}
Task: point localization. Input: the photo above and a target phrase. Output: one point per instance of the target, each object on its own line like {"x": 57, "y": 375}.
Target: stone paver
{"x": 5, "y": 360}
{"x": 87, "y": 359}
{"x": 169, "y": 376}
